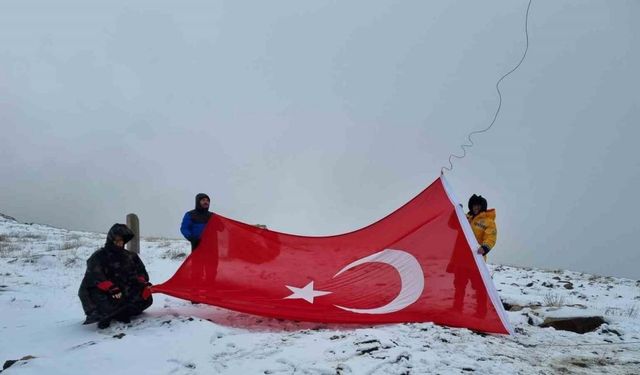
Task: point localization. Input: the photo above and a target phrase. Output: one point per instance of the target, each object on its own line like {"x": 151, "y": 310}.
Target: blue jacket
{"x": 193, "y": 224}
{"x": 194, "y": 221}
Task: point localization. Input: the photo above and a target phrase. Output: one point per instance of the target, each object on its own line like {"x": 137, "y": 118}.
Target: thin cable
{"x": 495, "y": 116}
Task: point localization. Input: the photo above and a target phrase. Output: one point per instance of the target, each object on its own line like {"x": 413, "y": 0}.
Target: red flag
{"x": 418, "y": 264}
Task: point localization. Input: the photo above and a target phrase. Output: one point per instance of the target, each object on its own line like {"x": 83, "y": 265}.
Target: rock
{"x": 7, "y": 217}
{"x": 613, "y": 331}
{"x": 367, "y": 350}
{"x": 507, "y": 306}
{"x": 518, "y": 330}
{"x": 533, "y": 319}
{"x": 529, "y": 285}
{"x": 511, "y": 307}
{"x": 568, "y": 285}
{"x": 577, "y": 305}
{"x": 11, "y": 362}
{"x": 582, "y": 324}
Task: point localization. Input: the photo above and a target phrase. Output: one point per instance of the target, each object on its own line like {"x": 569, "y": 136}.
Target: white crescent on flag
{"x": 411, "y": 279}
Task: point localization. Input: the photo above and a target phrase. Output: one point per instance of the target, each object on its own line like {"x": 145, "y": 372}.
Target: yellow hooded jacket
{"x": 484, "y": 227}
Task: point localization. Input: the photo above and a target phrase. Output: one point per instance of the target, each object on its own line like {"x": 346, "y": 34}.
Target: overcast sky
{"x": 320, "y": 117}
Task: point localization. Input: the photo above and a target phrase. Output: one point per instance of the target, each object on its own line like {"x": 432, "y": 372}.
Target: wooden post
{"x": 134, "y": 224}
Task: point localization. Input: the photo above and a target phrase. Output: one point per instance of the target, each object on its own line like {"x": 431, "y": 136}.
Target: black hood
{"x": 198, "y": 197}
{"x": 477, "y": 199}
{"x": 119, "y": 230}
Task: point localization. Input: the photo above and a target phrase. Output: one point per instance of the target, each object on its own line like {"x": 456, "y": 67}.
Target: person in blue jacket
{"x": 194, "y": 221}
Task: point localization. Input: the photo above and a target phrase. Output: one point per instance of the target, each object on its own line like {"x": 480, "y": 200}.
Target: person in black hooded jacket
{"x": 116, "y": 283}
{"x": 194, "y": 221}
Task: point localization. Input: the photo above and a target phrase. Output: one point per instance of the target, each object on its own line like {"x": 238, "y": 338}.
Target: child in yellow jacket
{"x": 483, "y": 223}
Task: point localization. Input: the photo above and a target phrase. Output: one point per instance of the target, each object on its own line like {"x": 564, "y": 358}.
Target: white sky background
{"x": 321, "y": 117}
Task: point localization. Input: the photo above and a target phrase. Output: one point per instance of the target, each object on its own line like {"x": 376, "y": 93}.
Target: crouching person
{"x": 115, "y": 284}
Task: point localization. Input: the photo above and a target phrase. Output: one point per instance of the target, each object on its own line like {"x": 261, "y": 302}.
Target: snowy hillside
{"x": 41, "y": 268}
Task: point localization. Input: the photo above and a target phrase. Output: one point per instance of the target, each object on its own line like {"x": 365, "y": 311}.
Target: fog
{"x": 321, "y": 117}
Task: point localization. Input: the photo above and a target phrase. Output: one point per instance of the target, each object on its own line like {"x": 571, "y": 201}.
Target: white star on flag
{"x": 307, "y": 293}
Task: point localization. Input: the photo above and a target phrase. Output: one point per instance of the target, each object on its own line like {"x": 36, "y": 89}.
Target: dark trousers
{"x": 97, "y": 302}
{"x": 460, "y": 282}
{"x": 194, "y": 244}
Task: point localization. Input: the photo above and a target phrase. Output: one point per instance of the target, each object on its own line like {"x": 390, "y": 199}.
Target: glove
{"x": 146, "y": 292}
{"x": 485, "y": 249}
{"x": 143, "y": 281}
{"x": 109, "y": 287}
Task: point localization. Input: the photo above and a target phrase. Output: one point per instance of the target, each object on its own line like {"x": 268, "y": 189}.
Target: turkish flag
{"x": 418, "y": 264}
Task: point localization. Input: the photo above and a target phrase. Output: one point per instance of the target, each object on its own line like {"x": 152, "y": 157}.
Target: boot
{"x": 104, "y": 323}
{"x": 92, "y": 318}
{"x": 123, "y": 318}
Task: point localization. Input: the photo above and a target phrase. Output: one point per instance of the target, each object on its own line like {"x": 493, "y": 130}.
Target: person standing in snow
{"x": 194, "y": 221}
{"x": 116, "y": 283}
{"x": 483, "y": 223}
{"x": 484, "y": 228}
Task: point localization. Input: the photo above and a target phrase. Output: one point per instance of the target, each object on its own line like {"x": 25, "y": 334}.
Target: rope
{"x": 495, "y": 116}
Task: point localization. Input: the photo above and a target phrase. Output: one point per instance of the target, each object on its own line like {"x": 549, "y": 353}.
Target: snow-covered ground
{"x": 40, "y": 320}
